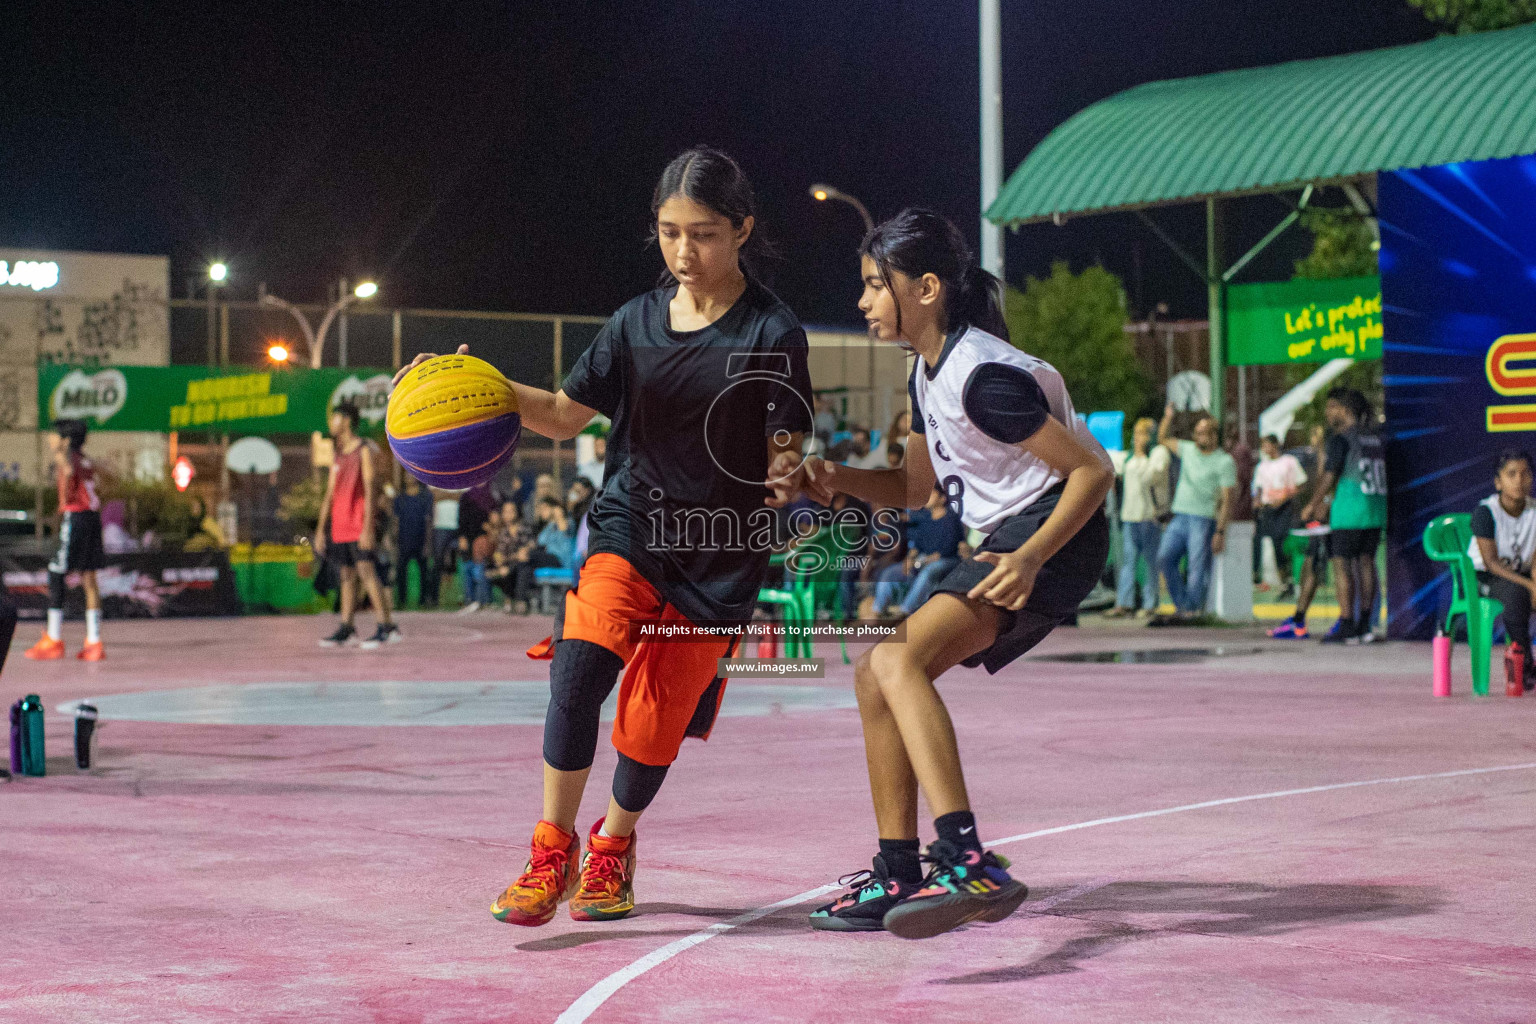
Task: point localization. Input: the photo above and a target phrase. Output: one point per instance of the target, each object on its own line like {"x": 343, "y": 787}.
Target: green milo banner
{"x": 1304, "y": 321}
{"x": 235, "y": 400}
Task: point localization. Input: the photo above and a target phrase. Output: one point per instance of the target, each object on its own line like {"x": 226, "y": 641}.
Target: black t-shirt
{"x": 1337, "y": 454}
{"x": 692, "y": 412}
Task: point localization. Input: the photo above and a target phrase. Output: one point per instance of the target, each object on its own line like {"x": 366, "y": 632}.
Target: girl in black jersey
{"x": 997, "y": 431}
{"x": 705, "y": 381}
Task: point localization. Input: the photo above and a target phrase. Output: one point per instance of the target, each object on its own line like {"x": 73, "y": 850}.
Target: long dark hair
{"x": 917, "y": 242}
{"x": 711, "y": 178}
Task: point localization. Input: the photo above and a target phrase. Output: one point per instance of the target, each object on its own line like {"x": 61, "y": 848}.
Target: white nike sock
{"x": 93, "y": 625}
{"x": 604, "y": 831}
{"x": 55, "y": 623}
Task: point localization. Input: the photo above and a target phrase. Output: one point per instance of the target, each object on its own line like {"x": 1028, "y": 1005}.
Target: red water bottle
{"x": 1514, "y": 671}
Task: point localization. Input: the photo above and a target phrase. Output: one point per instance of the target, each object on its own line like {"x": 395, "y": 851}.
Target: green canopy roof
{"x": 1470, "y": 97}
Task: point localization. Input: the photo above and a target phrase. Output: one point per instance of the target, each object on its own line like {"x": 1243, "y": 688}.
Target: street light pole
{"x": 314, "y": 337}
{"x": 821, "y": 193}
{"x": 991, "y": 132}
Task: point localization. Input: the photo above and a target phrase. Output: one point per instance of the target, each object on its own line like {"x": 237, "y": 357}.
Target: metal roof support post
{"x": 991, "y": 136}
{"x": 1216, "y": 302}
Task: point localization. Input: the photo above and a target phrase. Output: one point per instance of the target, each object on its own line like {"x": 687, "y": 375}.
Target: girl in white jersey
{"x": 995, "y": 428}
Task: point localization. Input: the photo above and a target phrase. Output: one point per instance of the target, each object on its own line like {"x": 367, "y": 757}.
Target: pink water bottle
{"x": 1440, "y": 654}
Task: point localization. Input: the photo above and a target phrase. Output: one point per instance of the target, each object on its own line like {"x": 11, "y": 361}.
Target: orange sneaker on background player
{"x": 92, "y": 651}
{"x": 46, "y": 649}
{"x": 549, "y": 878}
{"x": 607, "y": 890}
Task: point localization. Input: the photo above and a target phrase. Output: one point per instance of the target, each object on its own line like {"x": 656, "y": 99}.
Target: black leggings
{"x": 1517, "y": 607}
{"x": 580, "y": 679}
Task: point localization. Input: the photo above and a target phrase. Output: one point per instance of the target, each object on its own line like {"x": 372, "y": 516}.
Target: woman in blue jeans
{"x": 1201, "y": 502}
{"x": 1144, "y": 502}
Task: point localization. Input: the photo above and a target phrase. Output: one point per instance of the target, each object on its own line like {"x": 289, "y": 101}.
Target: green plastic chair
{"x": 1446, "y": 539}
{"x": 798, "y": 611}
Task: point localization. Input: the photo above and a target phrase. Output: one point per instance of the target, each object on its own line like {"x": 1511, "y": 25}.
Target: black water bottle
{"x": 85, "y": 736}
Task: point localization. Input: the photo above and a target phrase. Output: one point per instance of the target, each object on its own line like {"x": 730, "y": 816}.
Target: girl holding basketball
{"x": 705, "y": 381}
{"x": 996, "y": 428}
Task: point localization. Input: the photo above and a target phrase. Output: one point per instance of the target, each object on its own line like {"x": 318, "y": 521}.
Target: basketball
{"x": 453, "y": 422}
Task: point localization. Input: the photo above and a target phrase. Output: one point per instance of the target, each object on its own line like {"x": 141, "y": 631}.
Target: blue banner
{"x": 1458, "y": 281}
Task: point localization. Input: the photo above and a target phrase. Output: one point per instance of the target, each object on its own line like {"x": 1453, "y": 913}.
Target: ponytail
{"x": 978, "y": 302}
{"x": 917, "y": 242}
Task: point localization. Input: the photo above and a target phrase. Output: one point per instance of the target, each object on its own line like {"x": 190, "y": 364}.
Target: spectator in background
{"x": 592, "y": 471}
{"x": 543, "y": 487}
{"x": 825, "y": 421}
{"x": 1143, "y": 510}
{"x": 1276, "y": 479}
{"x": 1202, "y": 501}
{"x": 413, "y": 521}
{"x": 445, "y": 541}
{"x": 477, "y": 565}
{"x": 934, "y": 535}
{"x": 1504, "y": 551}
{"x": 512, "y": 561}
{"x": 556, "y": 536}
{"x": 1315, "y": 567}
{"x": 895, "y": 434}
{"x": 859, "y": 454}
{"x": 894, "y": 455}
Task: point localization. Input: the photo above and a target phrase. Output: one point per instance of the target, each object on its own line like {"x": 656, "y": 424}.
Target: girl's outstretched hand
{"x": 420, "y": 358}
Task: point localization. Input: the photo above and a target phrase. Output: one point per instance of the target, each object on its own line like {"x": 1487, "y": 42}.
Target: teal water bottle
{"x": 33, "y": 760}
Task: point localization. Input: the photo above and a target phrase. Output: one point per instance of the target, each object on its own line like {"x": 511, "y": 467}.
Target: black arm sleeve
{"x": 597, "y": 379}
{"x": 1338, "y": 452}
{"x": 1005, "y": 402}
{"x": 1482, "y": 522}
{"x": 917, "y": 426}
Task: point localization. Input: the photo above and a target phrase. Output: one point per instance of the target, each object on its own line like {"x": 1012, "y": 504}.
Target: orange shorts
{"x": 664, "y": 682}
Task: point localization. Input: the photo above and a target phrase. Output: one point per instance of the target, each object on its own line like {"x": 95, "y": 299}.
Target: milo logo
{"x": 82, "y": 395}
{"x": 370, "y": 395}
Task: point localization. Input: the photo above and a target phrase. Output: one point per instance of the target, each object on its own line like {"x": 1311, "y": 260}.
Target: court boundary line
{"x": 594, "y": 997}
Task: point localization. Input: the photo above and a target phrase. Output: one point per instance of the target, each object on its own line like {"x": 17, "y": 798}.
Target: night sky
{"x": 501, "y": 156}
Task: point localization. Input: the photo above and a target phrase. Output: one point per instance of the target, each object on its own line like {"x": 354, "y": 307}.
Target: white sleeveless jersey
{"x": 986, "y": 480}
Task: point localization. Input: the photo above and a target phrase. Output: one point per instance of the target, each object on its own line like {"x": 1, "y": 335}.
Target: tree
{"x": 1343, "y": 245}
{"x": 1076, "y": 322}
{"x": 1464, "y": 16}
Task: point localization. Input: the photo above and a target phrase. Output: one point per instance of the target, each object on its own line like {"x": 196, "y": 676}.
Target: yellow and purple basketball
{"x": 453, "y": 422}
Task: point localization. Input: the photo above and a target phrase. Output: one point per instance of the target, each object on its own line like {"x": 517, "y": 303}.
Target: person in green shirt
{"x": 1201, "y": 502}
{"x": 1352, "y": 494}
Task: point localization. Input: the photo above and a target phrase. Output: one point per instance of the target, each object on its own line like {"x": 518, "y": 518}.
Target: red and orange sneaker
{"x": 549, "y": 877}
{"x": 92, "y": 651}
{"x": 607, "y": 890}
{"x": 46, "y": 649}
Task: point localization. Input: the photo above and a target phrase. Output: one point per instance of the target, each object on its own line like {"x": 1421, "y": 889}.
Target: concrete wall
{"x": 104, "y": 308}
{"x": 853, "y": 360}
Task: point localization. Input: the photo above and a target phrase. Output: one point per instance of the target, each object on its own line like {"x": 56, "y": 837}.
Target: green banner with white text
{"x": 167, "y": 398}
{"x": 1303, "y": 321}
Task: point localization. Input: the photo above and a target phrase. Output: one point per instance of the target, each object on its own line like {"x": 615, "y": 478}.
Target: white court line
{"x": 589, "y": 1001}
{"x": 1041, "y": 906}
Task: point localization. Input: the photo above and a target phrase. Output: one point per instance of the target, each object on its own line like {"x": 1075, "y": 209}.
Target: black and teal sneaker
{"x": 962, "y": 886}
{"x": 863, "y": 907}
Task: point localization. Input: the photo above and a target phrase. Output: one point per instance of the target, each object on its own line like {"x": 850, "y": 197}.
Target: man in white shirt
{"x": 1143, "y": 506}
{"x": 1276, "y": 480}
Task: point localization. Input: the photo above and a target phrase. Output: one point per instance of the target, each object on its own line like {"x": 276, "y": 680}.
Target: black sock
{"x": 958, "y": 828}
{"x": 900, "y": 856}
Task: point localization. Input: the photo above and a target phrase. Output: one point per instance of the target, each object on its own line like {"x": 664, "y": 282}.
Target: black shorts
{"x": 347, "y": 554}
{"x": 80, "y": 547}
{"x": 1061, "y": 585}
{"x": 1354, "y": 543}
